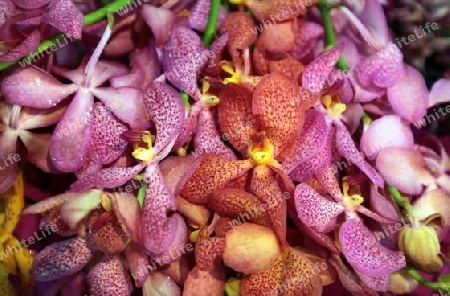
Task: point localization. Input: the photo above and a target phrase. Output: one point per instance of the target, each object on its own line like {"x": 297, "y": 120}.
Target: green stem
{"x": 366, "y": 118}
{"x": 424, "y": 282}
{"x": 329, "y": 31}
{"x": 226, "y": 4}
{"x": 141, "y": 194}
{"x": 185, "y": 98}
{"x": 89, "y": 19}
{"x": 212, "y": 21}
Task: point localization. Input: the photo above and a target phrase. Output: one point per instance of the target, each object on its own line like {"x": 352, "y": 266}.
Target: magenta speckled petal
{"x": 8, "y": 174}
{"x": 363, "y": 251}
{"x": 157, "y": 231}
{"x": 189, "y": 126}
{"x": 311, "y": 140}
{"x": 388, "y": 131}
{"x": 8, "y": 8}
{"x": 347, "y": 148}
{"x": 184, "y": 58}
{"x": 217, "y": 47}
{"x": 409, "y": 96}
{"x": 315, "y": 210}
{"x": 384, "y": 69}
{"x": 30, "y": 4}
{"x": 177, "y": 226}
{"x": 439, "y": 92}
{"x": 207, "y": 139}
{"x": 126, "y": 103}
{"x": 167, "y": 111}
{"x": 72, "y": 135}
{"x": 198, "y": 19}
{"x": 64, "y": 16}
{"x": 29, "y": 45}
{"x": 61, "y": 259}
{"x": 107, "y": 178}
{"x": 375, "y": 216}
{"x": 315, "y": 74}
{"x": 380, "y": 284}
{"x": 404, "y": 168}
{"x": 103, "y": 71}
{"x": 328, "y": 179}
{"x": 352, "y": 116}
{"x": 160, "y": 20}
{"x": 34, "y": 87}
{"x": 106, "y": 141}
{"x": 306, "y": 39}
{"x": 109, "y": 278}
{"x": 89, "y": 167}
{"x": 381, "y": 205}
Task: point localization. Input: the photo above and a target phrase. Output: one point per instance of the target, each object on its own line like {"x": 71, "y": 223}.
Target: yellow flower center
{"x": 147, "y": 153}
{"x": 352, "y": 198}
{"x": 106, "y": 202}
{"x": 333, "y": 105}
{"x": 261, "y": 151}
{"x": 208, "y": 99}
{"x": 228, "y": 68}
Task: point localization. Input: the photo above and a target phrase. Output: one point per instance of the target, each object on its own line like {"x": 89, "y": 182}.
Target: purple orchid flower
{"x": 15, "y": 121}
{"x": 70, "y": 141}
{"x": 361, "y": 249}
{"x": 312, "y": 154}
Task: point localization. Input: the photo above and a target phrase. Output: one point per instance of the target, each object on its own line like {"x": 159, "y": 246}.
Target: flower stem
{"x": 212, "y": 21}
{"x": 141, "y": 194}
{"x": 329, "y": 30}
{"x": 89, "y": 19}
{"x": 424, "y": 282}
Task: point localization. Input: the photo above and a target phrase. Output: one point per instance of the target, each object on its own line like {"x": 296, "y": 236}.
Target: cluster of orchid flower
{"x": 213, "y": 129}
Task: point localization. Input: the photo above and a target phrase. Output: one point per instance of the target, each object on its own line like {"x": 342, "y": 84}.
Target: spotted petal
{"x": 363, "y": 251}
{"x": 61, "y": 259}
{"x": 30, "y": 4}
{"x": 109, "y": 277}
{"x": 106, "y": 142}
{"x": 198, "y": 18}
{"x": 277, "y": 105}
{"x": 347, "y": 148}
{"x": 28, "y": 46}
{"x": 203, "y": 177}
{"x": 315, "y": 210}
{"x": 167, "y": 111}
{"x": 8, "y": 141}
{"x": 64, "y": 16}
{"x": 239, "y": 25}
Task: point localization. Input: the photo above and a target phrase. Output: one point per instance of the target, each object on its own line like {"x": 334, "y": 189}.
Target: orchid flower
{"x": 15, "y": 121}
{"x": 105, "y": 223}
{"x": 312, "y": 154}
{"x": 275, "y": 118}
{"x": 67, "y": 151}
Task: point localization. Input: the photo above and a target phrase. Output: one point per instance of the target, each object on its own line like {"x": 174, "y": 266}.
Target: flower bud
{"x": 421, "y": 247}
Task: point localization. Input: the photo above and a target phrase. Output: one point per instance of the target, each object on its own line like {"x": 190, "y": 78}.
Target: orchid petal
{"x": 102, "y": 72}
{"x": 277, "y": 105}
{"x": 158, "y": 202}
{"x": 64, "y": 16}
{"x": 159, "y": 284}
{"x": 205, "y": 283}
{"x": 106, "y": 142}
{"x": 235, "y": 116}
{"x": 384, "y": 69}
{"x": 38, "y": 147}
{"x": 409, "y": 96}
{"x": 61, "y": 259}
{"x": 202, "y": 178}
{"x": 279, "y": 37}
{"x": 266, "y": 10}
{"x": 403, "y": 168}
{"x": 381, "y": 205}
{"x": 109, "y": 278}
{"x": 365, "y": 253}
{"x": 127, "y": 211}
{"x": 315, "y": 210}
{"x": 388, "y": 131}
{"x": 107, "y": 178}
{"x": 316, "y": 72}
{"x": 207, "y": 250}
{"x": 329, "y": 181}
{"x": 34, "y": 87}
{"x": 198, "y": 19}
{"x": 138, "y": 261}
{"x": 34, "y": 118}
{"x": 239, "y": 25}
{"x": 9, "y": 172}
{"x": 110, "y": 237}
{"x": 347, "y": 148}
{"x": 166, "y": 108}
{"x": 234, "y": 202}
{"x": 258, "y": 283}
{"x": 126, "y": 103}
{"x": 312, "y": 138}
{"x": 305, "y": 40}
{"x": 174, "y": 168}
{"x": 264, "y": 186}
{"x": 30, "y": 4}
{"x": 78, "y": 207}
{"x": 207, "y": 138}
{"x": 189, "y": 126}
{"x": 160, "y": 20}
{"x": 373, "y": 16}
{"x": 71, "y": 138}
{"x": 288, "y": 66}
{"x": 217, "y": 47}
{"x": 435, "y": 201}
{"x": 27, "y": 46}
{"x": 380, "y": 283}
{"x": 439, "y": 92}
